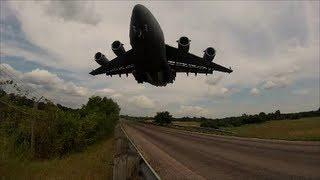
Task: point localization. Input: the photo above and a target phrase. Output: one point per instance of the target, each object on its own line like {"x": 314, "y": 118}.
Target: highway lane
{"x": 177, "y": 154}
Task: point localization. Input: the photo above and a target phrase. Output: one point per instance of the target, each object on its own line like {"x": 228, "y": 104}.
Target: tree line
{"x": 256, "y": 118}
{"x": 163, "y": 118}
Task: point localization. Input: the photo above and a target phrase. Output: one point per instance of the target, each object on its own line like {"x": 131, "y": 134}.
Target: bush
{"x": 58, "y": 130}
{"x": 163, "y": 118}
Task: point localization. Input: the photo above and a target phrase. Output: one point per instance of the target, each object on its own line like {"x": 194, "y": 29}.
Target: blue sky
{"x": 273, "y": 48}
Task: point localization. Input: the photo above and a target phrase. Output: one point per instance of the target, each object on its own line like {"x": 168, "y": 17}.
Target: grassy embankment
{"x": 93, "y": 163}
{"x": 306, "y": 129}
{"x": 68, "y": 143}
{"x": 187, "y": 123}
{"x": 301, "y": 129}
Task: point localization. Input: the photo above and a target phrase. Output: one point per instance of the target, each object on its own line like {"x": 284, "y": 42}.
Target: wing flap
{"x": 181, "y": 67}
{"x": 122, "y": 70}
{"x": 99, "y": 70}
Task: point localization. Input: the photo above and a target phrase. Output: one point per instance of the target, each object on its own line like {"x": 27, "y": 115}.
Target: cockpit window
{"x": 146, "y": 28}
{"x": 134, "y": 28}
{"x": 140, "y": 30}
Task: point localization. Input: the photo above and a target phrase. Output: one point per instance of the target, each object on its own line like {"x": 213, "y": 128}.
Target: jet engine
{"x": 209, "y": 54}
{"x": 117, "y": 48}
{"x": 100, "y": 58}
{"x": 183, "y": 44}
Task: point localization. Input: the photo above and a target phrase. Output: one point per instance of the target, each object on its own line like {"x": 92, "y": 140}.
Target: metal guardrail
{"x": 145, "y": 169}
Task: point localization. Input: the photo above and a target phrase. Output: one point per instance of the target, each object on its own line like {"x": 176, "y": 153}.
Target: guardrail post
{"x": 129, "y": 162}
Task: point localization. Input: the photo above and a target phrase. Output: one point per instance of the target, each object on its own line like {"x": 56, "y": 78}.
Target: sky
{"x": 273, "y": 48}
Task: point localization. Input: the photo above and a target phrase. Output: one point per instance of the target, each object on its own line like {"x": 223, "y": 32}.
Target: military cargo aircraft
{"x": 151, "y": 60}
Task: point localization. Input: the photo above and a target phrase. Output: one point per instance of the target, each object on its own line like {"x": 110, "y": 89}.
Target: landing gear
{"x": 138, "y": 77}
{"x": 172, "y": 76}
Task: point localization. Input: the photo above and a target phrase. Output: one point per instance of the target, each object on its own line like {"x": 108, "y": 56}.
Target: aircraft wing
{"x": 119, "y": 65}
{"x": 183, "y": 67}
{"x": 192, "y": 62}
{"x": 123, "y": 70}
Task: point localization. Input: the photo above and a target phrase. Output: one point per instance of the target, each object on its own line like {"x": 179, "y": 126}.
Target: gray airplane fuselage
{"x": 147, "y": 41}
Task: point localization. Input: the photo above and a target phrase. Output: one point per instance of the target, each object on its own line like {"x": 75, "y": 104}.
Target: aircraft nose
{"x": 139, "y": 21}
{"x": 139, "y": 8}
{"x": 139, "y": 11}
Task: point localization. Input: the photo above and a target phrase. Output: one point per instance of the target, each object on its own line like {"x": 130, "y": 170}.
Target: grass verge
{"x": 93, "y": 163}
{"x": 305, "y": 129}
{"x": 187, "y": 123}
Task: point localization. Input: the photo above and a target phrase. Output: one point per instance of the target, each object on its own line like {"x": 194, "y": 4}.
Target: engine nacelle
{"x": 117, "y": 48}
{"x": 209, "y": 54}
{"x": 100, "y": 58}
{"x": 183, "y": 44}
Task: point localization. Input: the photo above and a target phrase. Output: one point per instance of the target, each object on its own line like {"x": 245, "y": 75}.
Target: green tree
{"x": 58, "y": 130}
{"x": 163, "y": 118}
{"x": 277, "y": 115}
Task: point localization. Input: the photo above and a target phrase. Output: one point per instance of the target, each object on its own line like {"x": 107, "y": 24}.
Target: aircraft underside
{"x": 150, "y": 59}
{"x": 154, "y": 78}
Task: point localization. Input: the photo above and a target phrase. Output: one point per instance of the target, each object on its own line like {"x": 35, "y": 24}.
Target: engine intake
{"x": 209, "y": 54}
{"x": 183, "y": 44}
{"x": 117, "y": 48}
{"x": 100, "y": 58}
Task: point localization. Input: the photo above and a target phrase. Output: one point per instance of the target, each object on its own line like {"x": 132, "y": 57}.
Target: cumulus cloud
{"x": 142, "y": 102}
{"x": 196, "y": 111}
{"x": 40, "y": 82}
{"x": 263, "y": 54}
{"x": 51, "y": 81}
{"x": 75, "y": 90}
{"x": 269, "y": 85}
{"x": 301, "y": 92}
{"x": 39, "y": 77}
{"x": 287, "y": 72}
{"x": 255, "y": 92}
{"x": 281, "y": 78}
{"x": 106, "y": 91}
{"x": 109, "y": 92}
{"x": 83, "y": 12}
{"x": 219, "y": 92}
{"x": 7, "y": 70}
{"x": 47, "y": 84}
{"x": 214, "y": 80}
{"x": 276, "y": 83}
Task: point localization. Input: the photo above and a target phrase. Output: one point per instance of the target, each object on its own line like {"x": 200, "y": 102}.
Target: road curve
{"x": 176, "y": 154}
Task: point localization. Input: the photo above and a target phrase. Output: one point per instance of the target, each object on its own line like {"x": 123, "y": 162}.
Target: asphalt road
{"x": 176, "y": 154}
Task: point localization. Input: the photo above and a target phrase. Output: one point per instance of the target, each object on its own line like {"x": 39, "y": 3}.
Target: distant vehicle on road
{"x": 150, "y": 59}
